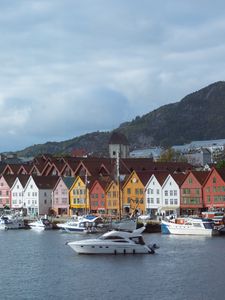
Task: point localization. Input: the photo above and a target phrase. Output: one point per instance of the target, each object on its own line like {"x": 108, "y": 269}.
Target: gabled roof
{"x": 69, "y": 181}
{"x": 201, "y": 176}
{"x": 2, "y": 167}
{"x": 11, "y": 169}
{"x": 57, "y": 165}
{"x": 144, "y": 176}
{"x": 161, "y": 176}
{"x": 45, "y": 182}
{"x": 103, "y": 181}
{"x": 179, "y": 178}
{"x": 25, "y": 169}
{"x": 23, "y": 178}
{"x": 221, "y": 172}
{"x": 10, "y": 179}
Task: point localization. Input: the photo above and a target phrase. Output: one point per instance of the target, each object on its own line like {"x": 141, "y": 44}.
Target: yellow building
{"x": 113, "y": 200}
{"x": 133, "y": 192}
{"x": 79, "y": 197}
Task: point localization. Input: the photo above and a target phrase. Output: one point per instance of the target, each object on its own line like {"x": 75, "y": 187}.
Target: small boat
{"x": 83, "y": 224}
{"x": 41, "y": 224}
{"x": 11, "y": 222}
{"x": 188, "y": 226}
{"x": 126, "y": 224}
{"x": 115, "y": 242}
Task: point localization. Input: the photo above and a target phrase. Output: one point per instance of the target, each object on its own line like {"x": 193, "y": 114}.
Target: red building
{"x": 214, "y": 190}
{"x": 98, "y": 196}
{"x": 191, "y": 198}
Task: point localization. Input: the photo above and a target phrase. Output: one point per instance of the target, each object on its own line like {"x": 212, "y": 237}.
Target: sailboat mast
{"x": 118, "y": 180}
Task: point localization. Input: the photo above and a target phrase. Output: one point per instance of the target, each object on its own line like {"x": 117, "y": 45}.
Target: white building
{"x": 153, "y": 193}
{"x": 17, "y": 192}
{"x": 38, "y": 194}
{"x": 170, "y": 196}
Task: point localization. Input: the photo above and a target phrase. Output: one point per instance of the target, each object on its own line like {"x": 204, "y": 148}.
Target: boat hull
{"x": 109, "y": 249}
{"x": 181, "y": 229}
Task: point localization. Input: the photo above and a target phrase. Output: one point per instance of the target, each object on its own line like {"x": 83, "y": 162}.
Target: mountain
{"x": 198, "y": 116}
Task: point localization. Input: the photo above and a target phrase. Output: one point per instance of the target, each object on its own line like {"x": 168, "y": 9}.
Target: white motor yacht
{"x": 114, "y": 242}
{"x": 40, "y": 224}
{"x": 83, "y": 224}
{"x": 188, "y": 226}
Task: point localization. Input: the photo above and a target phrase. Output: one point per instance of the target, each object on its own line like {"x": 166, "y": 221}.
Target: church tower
{"x": 118, "y": 143}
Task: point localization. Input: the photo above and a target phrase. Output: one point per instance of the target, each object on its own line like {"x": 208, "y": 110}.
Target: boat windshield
{"x": 138, "y": 240}
{"x": 111, "y": 237}
{"x": 208, "y": 225}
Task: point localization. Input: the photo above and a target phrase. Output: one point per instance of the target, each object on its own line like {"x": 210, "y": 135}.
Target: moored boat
{"x": 126, "y": 224}
{"x": 83, "y": 224}
{"x": 188, "y": 226}
{"x": 11, "y": 222}
{"x": 115, "y": 242}
{"x": 41, "y": 224}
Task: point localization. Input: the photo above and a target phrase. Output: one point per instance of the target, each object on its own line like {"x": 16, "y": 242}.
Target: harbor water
{"x": 39, "y": 265}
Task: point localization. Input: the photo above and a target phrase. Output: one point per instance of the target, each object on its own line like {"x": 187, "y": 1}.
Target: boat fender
{"x": 124, "y": 251}
{"x": 115, "y": 252}
{"x": 133, "y": 251}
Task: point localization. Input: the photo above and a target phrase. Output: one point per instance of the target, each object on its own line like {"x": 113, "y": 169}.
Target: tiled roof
{"x": 23, "y": 178}
{"x": 201, "y": 176}
{"x": 10, "y": 179}
{"x": 179, "y": 177}
{"x": 161, "y": 176}
{"x": 45, "y": 182}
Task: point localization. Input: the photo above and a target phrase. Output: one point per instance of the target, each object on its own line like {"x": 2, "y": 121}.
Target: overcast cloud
{"x": 76, "y": 66}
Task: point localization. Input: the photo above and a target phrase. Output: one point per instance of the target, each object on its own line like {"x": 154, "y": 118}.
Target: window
{"x": 171, "y": 193}
{"x": 214, "y": 179}
{"x": 166, "y": 193}
{"x": 128, "y": 191}
{"x": 197, "y": 191}
{"x": 190, "y": 180}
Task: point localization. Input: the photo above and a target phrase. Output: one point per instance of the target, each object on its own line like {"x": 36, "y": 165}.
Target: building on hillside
{"x": 118, "y": 145}
{"x": 198, "y": 157}
{"x": 154, "y": 153}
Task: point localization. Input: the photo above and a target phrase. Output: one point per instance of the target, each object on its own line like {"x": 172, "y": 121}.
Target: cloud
{"x": 72, "y": 67}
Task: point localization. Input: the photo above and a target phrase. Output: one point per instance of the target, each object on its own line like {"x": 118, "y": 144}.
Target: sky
{"x": 71, "y": 67}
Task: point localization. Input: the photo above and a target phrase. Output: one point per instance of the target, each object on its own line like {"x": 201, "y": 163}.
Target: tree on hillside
{"x": 171, "y": 155}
